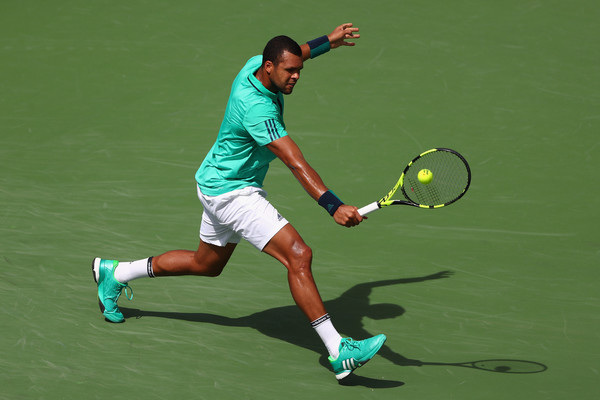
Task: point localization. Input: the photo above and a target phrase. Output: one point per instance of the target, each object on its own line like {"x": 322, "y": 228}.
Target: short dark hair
{"x": 276, "y": 46}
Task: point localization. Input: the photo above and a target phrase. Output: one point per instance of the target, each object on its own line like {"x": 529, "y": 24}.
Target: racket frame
{"x": 388, "y": 201}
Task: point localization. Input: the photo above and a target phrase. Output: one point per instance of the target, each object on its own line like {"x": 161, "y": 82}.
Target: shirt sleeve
{"x": 264, "y": 125}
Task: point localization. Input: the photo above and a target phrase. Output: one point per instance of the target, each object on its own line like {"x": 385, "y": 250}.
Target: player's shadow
{"x": 287, "y": 323}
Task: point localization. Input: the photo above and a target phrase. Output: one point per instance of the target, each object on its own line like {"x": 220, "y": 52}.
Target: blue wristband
{"x": 330, "y": 202}
{"x": 319, "y": 46}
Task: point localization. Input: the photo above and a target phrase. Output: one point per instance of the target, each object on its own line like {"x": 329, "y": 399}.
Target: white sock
{"x": 328, "y": 334}
{"x": 128, "y": 271}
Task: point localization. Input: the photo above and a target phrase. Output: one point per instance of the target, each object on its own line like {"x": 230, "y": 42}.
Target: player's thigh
{"x": 289, "y": 248}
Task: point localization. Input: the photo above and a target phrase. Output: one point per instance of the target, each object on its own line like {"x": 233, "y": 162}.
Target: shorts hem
{"x": 261, "y": 246}
{"x": 219, "y": 243}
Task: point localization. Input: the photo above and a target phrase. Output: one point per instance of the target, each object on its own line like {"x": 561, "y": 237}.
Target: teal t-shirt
{"x": 253, "y": 118}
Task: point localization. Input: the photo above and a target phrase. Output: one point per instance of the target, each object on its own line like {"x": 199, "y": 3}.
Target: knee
{"x": 301, "y": 258}
{"x": 213, "y": 272}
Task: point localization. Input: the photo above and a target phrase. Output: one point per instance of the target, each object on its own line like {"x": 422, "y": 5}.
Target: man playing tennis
{"x": 229, "y": 183}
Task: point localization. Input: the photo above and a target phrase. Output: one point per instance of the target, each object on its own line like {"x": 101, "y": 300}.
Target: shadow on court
{"x": 287, "y": 323}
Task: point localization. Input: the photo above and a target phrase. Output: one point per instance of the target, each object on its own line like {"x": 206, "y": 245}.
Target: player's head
{"x": 282, "y": 61}
{"x": 277, "y": 46}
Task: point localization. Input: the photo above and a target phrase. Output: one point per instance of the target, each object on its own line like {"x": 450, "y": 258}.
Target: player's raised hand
{"x": 339, "y": 35}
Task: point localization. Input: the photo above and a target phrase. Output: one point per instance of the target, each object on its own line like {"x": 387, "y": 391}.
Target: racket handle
{"x": 369, "y": 208}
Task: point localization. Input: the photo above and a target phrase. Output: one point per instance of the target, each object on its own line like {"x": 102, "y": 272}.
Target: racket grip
{"x": 369, "y": 208}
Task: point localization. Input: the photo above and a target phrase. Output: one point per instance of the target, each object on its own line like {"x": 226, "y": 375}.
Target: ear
{"x": 268, "y": 67}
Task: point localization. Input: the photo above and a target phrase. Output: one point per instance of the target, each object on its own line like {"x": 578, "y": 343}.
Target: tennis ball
{"x": 425, "y": 176}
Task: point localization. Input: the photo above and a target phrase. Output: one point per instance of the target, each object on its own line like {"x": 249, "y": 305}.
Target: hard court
{"x": 107, "y": 108}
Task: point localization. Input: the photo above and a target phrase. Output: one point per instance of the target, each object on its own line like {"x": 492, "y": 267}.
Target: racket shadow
{"x": 504, "y": 366}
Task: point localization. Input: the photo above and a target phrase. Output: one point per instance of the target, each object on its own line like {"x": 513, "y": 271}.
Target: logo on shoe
{"x": 350, "y": 363}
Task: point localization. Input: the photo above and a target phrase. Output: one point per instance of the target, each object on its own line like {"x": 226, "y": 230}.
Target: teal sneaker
{"x": 354, "y": 354}
{"x": 109, "y": 289}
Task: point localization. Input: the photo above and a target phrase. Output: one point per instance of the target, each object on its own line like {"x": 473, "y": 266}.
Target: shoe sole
{"x": 96, "y": 266}
{"x": 343, "y": 375}
{"x": 95, "y": 263}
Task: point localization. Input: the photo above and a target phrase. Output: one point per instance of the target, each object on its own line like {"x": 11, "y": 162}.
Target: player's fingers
{"x": 347, "y": 30}
{"x": 356, "y": 217}
{"x": 350, "y": 35}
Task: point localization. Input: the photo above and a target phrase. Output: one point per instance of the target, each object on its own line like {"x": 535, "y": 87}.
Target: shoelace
{"x": 352, "y": 344}
{"x": 128, "y": 294}
{"x": 124, "y": 287}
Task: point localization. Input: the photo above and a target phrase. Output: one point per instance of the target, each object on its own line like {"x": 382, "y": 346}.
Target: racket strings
{"x": 450, "y": 179}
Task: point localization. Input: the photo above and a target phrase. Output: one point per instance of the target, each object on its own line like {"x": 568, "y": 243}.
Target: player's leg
{"x": 217, "y": 243}
{"x": 113, "y": 276}
{"x": 207, "y": 260}
{"x": 289, "y": 248}
{"x": 345, "y": 354}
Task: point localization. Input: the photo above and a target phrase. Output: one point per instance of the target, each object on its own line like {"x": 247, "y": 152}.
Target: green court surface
{"x": 108, "y": 107}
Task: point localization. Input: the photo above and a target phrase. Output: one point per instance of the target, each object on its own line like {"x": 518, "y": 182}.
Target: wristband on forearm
{"x": 330, "y": 202}
{"x": 319, "y": 46}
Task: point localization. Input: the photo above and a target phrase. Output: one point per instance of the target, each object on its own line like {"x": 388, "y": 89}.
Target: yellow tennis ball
{"x": 425, "y": 176}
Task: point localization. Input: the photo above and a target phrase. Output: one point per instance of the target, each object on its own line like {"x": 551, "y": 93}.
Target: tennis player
{"x": 229, "y": 185}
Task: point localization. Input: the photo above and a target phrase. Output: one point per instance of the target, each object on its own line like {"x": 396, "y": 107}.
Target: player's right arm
{"x": 289, "y": 153}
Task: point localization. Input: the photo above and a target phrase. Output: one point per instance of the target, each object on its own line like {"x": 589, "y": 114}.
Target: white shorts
{"x": 243, "y": 213}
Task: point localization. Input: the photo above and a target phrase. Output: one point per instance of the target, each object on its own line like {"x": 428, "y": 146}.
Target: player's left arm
{"x": 289, "y": 153}
{"x": 323, "y": 44}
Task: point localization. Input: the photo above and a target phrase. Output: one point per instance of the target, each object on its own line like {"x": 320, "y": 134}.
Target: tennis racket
{"x": 450, "y": 180}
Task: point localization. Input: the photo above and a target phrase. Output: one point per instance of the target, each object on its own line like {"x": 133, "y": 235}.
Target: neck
{"x": 263, "y": 78}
